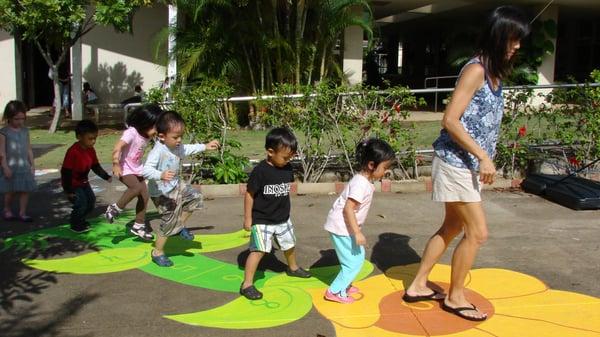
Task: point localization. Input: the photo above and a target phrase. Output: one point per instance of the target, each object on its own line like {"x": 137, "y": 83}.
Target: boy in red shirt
{"x": 79, "y": 160}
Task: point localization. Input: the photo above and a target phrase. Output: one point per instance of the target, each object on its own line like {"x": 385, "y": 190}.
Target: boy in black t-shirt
{"x": 267, "y": 208}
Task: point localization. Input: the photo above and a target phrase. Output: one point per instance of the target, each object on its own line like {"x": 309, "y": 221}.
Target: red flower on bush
{"x": 573, "y": 161}
{"x": 522, "y": 131}
{"x": 397, "y": 107}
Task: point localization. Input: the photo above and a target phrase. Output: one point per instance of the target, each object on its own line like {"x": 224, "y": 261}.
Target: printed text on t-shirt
{"x": 277, "y": 190}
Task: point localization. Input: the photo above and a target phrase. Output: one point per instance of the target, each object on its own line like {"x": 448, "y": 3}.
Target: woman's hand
{"x": 487, "y": 171}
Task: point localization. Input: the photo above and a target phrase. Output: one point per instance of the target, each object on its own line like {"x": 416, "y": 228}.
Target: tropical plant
{"x": 331, "y": 119}
{"x": 569, "y": 120}
{"x": 258, "y": 44}
{"x": 208, "y": 115}
{"x": 55, "y": 25}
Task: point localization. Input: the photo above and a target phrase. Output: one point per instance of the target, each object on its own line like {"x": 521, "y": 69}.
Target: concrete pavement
{"x": 528, "y": 235}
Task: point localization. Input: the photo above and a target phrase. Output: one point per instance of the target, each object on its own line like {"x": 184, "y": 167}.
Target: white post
{"x": 353, "y": 52}
{"x": 76, "y": 82}
{"x": 546, "y": 69}
{"x": 172, "y": 68}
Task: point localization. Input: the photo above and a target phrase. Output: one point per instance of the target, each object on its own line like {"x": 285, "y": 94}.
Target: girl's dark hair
{"x": 12, "y": 109}
{"x": 168, "y": 120}
{"x": 87, "y": 86}
{"x": 143, "y": 118}
{"x": 279, "y": 138}
{"x": 373, "y": 150}
{"x": 504, "y": 25}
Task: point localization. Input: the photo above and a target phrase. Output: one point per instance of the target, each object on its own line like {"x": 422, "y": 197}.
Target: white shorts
{"x": 452, "y": 184}
{"x": 261, "y": 237}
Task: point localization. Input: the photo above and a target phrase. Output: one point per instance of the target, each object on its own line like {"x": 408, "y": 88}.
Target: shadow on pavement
{"x": 393, "y": 250}
{"x": 27, "y": 324}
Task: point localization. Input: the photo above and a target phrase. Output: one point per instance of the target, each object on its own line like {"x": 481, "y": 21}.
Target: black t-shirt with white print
{"x": 270, "y": 186}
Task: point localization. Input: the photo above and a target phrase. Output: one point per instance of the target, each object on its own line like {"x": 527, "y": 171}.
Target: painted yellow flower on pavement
{"x": 516, "y": 304}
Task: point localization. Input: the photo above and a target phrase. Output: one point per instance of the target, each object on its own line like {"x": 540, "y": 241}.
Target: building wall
{"x": 8, "y": 87}
{"x": 114, "y": 63}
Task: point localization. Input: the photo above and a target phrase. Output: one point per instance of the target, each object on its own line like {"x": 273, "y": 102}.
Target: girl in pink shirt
{"x": 349, "y": 212}
{"x": 127, "y": 166}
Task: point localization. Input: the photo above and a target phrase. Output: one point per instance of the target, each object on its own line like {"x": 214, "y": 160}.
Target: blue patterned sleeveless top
{"x": 481, "y": 120}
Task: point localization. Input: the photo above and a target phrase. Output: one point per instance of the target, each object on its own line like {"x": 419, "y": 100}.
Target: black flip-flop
{"x": 420, "y": 298}
{"x": 459, "y": 312}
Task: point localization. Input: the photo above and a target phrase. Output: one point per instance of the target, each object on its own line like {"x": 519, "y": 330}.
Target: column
{"x": 353, "y": 52}
{"x": 546, "y": 69}
{"x": 172, "y": 68}
{"x": 76, "y": 81}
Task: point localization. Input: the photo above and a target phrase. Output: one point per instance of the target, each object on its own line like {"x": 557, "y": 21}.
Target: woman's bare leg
{"x": 435, "y": 248}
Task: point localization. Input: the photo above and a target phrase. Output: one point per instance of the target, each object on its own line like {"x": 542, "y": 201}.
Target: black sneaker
{"x": 81, "y": 228}
{"x": 298, "y": 273}
{"x": 251, "y": 293}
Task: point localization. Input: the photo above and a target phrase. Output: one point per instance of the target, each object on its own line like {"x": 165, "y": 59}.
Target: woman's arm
{"x": 351, "y": 222}
{"x": 471, "y": 80}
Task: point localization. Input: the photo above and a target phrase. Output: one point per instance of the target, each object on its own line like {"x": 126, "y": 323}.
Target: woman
{"x": 463, "y": 159}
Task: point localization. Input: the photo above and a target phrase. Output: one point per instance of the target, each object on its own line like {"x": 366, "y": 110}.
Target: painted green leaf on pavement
{"x": 205, "y": 272}
{"x": 280, "y": 305}
{"x": 322, "y": 277}
{"x": 104, "y": 261}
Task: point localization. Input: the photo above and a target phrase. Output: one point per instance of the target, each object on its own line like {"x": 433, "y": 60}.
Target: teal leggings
{"x": 351, "y": 257}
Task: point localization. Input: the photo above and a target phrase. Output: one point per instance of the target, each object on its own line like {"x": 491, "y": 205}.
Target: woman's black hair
{"x": 279, "y": 138}
{"x": 12, "y": 109}
{"x": 168, "y": 120}
{"x": 144, "y": 117}
{"x": 504, "y": 25}
{"x": 373, "y": 150}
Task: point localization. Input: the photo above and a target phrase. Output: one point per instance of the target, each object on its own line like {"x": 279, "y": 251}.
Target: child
{"x": 348, "y": 214}
{"x": 174, "y": 199}
{"x": 79, "y": 159}
{"x": 267, "y": 208}
{"x": 127, "y": 166}
{"x": 17, "y": 178}
{"x": 89, "y": 97}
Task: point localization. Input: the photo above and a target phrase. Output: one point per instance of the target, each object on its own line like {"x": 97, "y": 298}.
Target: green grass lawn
{"x": 252, "y": 142}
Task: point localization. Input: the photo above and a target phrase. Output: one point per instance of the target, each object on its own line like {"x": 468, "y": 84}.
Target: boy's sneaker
{"x": 186, "y": 234}
{"x": 298, "y": 273}
{"x": 251, "y": 293}
{"x": 111, "y": 213}
{"x": 140, "y": 231}
{"x": 329, "y": 296}
{"x": 161, "y": 260}
{"x": 81, "y": 227}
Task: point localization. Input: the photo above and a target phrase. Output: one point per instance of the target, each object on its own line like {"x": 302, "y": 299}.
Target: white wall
{"x": 114, "y": 63}
{"x": 8, "y": 87}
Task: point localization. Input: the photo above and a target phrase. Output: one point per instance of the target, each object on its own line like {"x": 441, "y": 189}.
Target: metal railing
{"x": 437, "y": 82}
{"x": 130, "y": 106}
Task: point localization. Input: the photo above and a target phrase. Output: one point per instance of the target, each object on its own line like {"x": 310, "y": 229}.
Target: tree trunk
{"x": 57, "y": 100}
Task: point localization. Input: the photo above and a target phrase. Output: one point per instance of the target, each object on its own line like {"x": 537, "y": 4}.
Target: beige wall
{"x": 113, "y": 63}
{"x": 8, "y": 87}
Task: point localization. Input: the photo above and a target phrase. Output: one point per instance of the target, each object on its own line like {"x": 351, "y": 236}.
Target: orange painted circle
{"x": 428, "y": 318}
